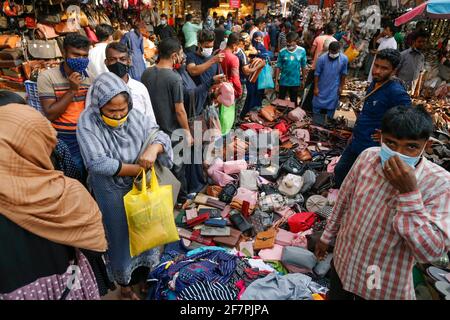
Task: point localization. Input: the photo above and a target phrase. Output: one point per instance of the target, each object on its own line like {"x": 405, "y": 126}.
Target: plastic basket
{"x": 33, "y": 95}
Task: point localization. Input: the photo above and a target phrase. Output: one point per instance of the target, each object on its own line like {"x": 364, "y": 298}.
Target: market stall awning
{"x": 435, "y": 9}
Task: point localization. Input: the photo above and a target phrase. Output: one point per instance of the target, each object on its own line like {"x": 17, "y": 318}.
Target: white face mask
{"x": 333, "y": 55}
{"x": 207, "y": 52}
{"x": 163, "y": 22}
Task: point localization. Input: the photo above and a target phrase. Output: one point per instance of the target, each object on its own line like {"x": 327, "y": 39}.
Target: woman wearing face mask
{"x": 329, "y": 81}
{"x": 111, "y": 134}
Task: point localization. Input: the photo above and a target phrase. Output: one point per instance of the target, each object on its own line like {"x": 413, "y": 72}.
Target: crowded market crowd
{"x": 322, "y": 209}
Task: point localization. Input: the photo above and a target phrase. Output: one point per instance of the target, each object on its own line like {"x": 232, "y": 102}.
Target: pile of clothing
{"x": 261, "y": 216}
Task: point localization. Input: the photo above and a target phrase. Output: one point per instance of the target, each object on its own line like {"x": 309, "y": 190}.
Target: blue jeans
{"x": 344, "y": 165}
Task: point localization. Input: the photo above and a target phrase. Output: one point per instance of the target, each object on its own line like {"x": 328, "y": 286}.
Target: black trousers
{"x": 307, "y": 105}
{"x": 293, "y": 93}
{"x": 337, "y": 291}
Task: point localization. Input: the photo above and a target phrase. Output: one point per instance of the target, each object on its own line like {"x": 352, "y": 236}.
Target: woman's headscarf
{"x": 33, "y": 194}
{"x": 105, "y": 147}
{"x": 255, "y": 35}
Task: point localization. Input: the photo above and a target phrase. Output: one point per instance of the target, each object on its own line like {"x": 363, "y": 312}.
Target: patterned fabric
{"x": 209, "y": 291}
{"x": 52, "y": 287}
{"x": 208, "y": 266}
{"x": 377, "y": 226}
{"x": 63, "y": 161}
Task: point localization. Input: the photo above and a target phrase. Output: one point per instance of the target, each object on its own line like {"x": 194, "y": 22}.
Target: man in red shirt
{"x": 230, "y": 64}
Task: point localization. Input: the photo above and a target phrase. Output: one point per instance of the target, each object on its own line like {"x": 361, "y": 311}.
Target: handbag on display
{"x": 270, "y": 113}
{"x": 228, "y": 192}
{"x": 301, "y": 221}
{"x": 298, "y": 114}
{"x": 265, "y": 239}
{"x": 249, "y": 179}
{"x": 213, "y": 191}
{"x": 232, "y": 167}
{"x": 46, "y": 31}
{"x": 290, "y": 185}
{"x": 9, "y": 41}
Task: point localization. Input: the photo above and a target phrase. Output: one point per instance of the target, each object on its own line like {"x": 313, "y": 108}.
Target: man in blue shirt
{"x": 383, "y": 94}
{"x": 329, "y": 80}
{"x": 291, "y": 61}
{"x": 202, "y": 65}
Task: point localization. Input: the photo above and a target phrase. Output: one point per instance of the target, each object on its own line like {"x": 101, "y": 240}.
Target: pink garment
{"x": 241, "y": 286}
{"x": 318, "y": 43}
{"x": 52, "y": 287}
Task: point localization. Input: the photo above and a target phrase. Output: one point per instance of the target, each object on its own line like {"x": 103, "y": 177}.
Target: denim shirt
{"x": 390, "y": 95}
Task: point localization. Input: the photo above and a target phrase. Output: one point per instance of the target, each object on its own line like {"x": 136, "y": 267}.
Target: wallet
{"x": 213, "y": 213}
{"x": 191, "y": 214}
{"x": 195, "y": 236}
{"x": 240, "y": 222}
{"x": 216, "y": 223}
{"x": 214, "y": 231}
{"x": 198, "y": 220}
{"x": 231, "y": 241}
{"x": 265, "y": 239}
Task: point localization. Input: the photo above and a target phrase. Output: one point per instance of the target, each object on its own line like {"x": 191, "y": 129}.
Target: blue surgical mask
{"x": 78, "y": 64}
{"x": 386, "y": 153}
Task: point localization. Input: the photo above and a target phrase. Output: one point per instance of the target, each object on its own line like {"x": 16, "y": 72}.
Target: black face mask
{"x": 119, "y": 69}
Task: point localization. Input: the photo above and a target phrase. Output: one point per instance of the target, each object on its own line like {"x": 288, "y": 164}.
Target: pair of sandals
{"x": 442, "y": 278}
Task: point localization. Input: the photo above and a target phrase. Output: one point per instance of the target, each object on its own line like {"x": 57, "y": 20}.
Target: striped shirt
{"x": 52, "y": 84}
{"x": 381, "y": 234}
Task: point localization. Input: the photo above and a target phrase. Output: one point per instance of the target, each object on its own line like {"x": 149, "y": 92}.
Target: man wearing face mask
{"x": 166, "y": 92}
{"x": 190, "y": 31}
{"x": 202, "y": 65}
{"x": 118, "y": 61}
{"x": 329, "y": 81}
{"x": 383, "y": 93}
{"x": 164, "y": 31}
{"x": 291, "y": 64}
{"x": 62, "y": 92}
{"x": 393, "y": 211}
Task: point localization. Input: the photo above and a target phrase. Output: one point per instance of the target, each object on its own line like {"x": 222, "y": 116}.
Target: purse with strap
{"x": 43, "y": 49}
{"x": 164, "y": 175}
{"x": 9, "y": 41}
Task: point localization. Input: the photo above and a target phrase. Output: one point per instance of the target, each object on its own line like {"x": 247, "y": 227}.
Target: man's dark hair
{"x": 291, "y": 36}
{"x": 168, "y": 46}
{"x": 120, "y": 47}
{"x": 260, "y": 20}
{"x": 77, "y": 41}
{"x": 334, "y": 46}
{"x": 221, "y": 21}
{"x": 419, "y": 34}
{"x": 7, "y": 97}
{"x": 391, "y": 55}
{"x": 206, "y": 36}
{"x": 408, "y": 122}
{"x": 103, "y": 31}
{"x": 163, "y": 15}
{"x": 233, "y": 39}
{"x": 330, "y": 28}
{"x": 188, "y": 17}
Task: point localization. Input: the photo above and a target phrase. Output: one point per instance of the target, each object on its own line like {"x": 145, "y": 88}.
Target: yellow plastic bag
{"x": 150, "y": 216}
{"x": 351, "y": 53}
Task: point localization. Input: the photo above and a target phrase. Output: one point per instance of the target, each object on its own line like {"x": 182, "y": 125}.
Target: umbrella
{"x": 435, "y": 9}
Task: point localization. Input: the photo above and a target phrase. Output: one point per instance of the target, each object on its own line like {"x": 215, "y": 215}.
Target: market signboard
{"x": 235, "y": 4}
